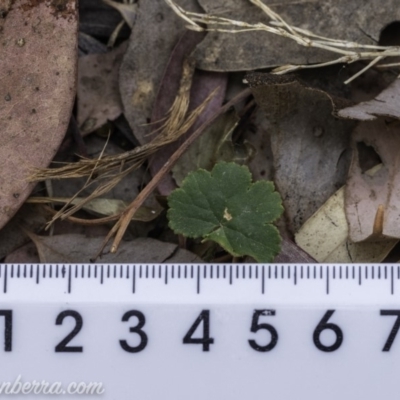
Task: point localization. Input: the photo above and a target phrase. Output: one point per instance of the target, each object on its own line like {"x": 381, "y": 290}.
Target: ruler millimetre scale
{"x": 191, "y": 332}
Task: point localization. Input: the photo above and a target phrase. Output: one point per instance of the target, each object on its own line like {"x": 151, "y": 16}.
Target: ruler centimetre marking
{"x": 201, "y": 272}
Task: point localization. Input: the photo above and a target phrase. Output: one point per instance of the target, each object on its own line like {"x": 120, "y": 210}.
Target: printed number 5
{"x": 256, "y": 326}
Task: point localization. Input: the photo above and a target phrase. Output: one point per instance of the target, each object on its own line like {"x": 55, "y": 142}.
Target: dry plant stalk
{"x": 110, "y": 170}
{"x": 118, "y": 230}
{"x": 349, "y": 51}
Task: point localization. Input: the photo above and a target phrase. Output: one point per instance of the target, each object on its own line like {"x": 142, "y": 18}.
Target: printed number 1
{"x": 7, "y": 314}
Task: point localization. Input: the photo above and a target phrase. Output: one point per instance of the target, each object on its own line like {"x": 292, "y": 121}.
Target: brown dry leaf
{"x": 30, "y": 216}
{"x": 386, "y": 104}
{"x": 154, "y": 35}
{"x": 325, "y": 236}
{"x": 26, "y": 254}
{"x": 309, "y": 144}
{"x": 99, "y": 100}
{"x": 357, "y": 21}
{"x": 37, "y": 89}
{"x": 79, "y": 249}
{"x": 373, "y": 201}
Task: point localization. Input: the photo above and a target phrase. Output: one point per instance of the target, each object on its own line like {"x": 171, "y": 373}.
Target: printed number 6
{"x": 322, "y": 325}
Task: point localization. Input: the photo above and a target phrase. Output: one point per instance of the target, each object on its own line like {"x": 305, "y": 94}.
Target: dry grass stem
{"x": 107, "y": 171}
{"x": 349, "y": 51}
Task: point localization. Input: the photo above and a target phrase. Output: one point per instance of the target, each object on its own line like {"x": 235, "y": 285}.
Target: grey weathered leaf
{"x": 309, "y": 144}
{"x": 357, "y": 21}
{"x": 79, "y": 249}
{"x": 386, "y": 104}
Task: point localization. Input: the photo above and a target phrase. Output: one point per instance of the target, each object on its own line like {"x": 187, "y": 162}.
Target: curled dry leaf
{"x": 309, "y": 144}
{"x": 37, "y": 89}
{"x": 386, "y": 104}
{"x": 373, "y": 201}
{"x": 325, "y": 236}
{"x": 99, "y": 100}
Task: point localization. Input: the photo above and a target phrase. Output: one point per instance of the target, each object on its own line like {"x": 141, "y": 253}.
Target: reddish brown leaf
{"x": 204, "y": 83}
{"x": 37, "y": 88}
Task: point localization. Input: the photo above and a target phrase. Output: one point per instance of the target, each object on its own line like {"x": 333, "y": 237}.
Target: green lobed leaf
{"x": 225, "y": 206}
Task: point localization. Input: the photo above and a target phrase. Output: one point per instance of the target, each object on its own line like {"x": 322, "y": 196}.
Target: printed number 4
{"x": 205, "y": 340}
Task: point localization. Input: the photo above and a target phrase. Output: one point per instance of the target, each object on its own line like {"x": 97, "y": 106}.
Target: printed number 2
{"x": 206, "y": 340}
{"x": 62, "y": 346}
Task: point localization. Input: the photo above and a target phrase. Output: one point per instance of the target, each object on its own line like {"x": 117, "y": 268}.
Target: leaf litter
{"x": 156, "y": 101}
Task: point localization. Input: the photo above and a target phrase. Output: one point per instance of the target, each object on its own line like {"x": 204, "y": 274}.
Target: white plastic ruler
{"x": 200, "y": 332}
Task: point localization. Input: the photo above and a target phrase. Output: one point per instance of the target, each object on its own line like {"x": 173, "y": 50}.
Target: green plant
{"x": 225, "y": 206}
